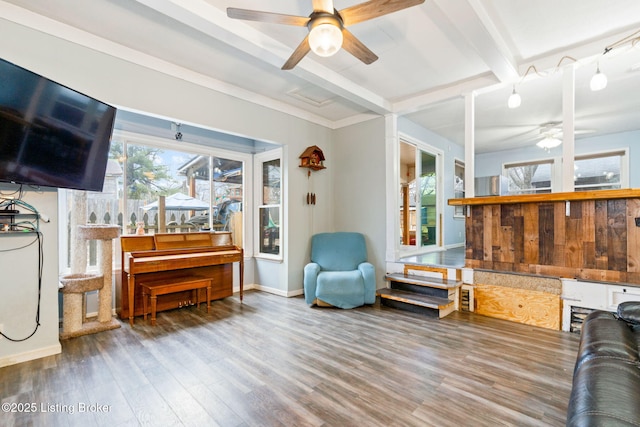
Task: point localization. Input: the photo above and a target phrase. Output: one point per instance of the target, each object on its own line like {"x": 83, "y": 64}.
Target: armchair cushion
{"x": 339, "y": 273}
{"x": 344, "y": 289}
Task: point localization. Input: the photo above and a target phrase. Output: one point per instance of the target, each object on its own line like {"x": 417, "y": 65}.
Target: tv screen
{"x": 51, "y": 135}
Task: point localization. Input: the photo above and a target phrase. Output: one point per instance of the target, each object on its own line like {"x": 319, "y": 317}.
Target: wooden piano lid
{"x": 191, "y": 240}
{"x": 133, "y": 243}
{"x": 163, "y": 241}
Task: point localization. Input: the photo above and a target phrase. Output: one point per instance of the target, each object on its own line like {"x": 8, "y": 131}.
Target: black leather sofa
{"x": 606, "y": 377}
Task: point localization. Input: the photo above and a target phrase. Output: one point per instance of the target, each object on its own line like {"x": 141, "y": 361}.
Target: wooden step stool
{"x": 168, "y": 286}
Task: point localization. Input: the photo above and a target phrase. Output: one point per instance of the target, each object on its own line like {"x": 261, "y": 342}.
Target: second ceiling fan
{"x": 327, "y": 26}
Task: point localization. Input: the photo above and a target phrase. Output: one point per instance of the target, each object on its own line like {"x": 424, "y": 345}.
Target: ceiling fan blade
{"x": 374, "y": 8}
{"x": 297, "y": 55}
{"x": 272, "y": 18}
{"x": 323, "y": 6}
{"x": 356, "y": 48}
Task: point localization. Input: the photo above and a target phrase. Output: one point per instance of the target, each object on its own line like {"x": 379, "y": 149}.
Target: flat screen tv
{"x": 51, "y": 135}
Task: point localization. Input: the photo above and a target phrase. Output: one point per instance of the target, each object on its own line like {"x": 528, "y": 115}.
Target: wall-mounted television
{"x": 51, "y": 135}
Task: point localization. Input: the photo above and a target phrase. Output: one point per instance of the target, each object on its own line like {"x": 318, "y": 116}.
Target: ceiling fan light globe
{"x": 598, "y": 81}
{"x": 549, "y": 142}
{"x": 325, "y": 39}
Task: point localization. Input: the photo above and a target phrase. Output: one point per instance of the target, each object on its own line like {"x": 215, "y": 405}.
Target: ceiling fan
{"x": 551, "y": 134}
{"x": 327, "y": 26}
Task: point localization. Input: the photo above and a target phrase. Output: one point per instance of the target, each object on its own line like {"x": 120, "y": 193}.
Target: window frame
{"x": 259, "y": 160}
{"x": 624, "y": 166}
{"x": 162, "y": 143}
{"x": 556, "y": 164}
{"x": 551, "y": 161}
{"x": 406, "y": 250}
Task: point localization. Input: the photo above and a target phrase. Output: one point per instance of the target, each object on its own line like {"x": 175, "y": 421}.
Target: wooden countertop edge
{"x": 627, "y": 193}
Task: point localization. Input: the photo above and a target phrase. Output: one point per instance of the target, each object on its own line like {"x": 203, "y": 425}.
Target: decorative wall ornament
{"x": 312, "y": 158}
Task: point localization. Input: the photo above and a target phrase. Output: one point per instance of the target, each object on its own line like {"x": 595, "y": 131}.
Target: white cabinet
{"x": 593, "y": 295}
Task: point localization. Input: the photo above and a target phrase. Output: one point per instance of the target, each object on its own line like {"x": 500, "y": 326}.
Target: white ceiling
{"x": 429, "y": 57}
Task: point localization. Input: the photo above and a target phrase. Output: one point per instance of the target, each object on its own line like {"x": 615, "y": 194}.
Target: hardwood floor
{"x": 273, "y": 361}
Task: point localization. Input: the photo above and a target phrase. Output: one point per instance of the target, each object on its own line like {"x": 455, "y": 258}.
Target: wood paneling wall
{"x": 586, "y": 239}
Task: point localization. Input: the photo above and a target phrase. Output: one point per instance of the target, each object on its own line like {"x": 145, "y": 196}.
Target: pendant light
{"x": 514, "y": 100}
{"x": 598, "y": 81}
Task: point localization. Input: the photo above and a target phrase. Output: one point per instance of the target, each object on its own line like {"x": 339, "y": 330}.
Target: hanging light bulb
{"x": 514, "y": 100}
{"x": 598, "y": 81}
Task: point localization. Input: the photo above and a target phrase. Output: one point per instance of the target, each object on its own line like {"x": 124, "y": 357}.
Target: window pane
{"x": 271, "y": 182}
{"x": 181, "y": 177}
{"x": 407, "y": 194}
{"x": 527, "y": 179}
{"x": 428, "y": 193}
{"x": 270, "y": 230}
{"x": 458, "y": 187}
{"x": 597, "y": 173}
{"x": 458, "y": 180}
{"x": 227, "y": 196}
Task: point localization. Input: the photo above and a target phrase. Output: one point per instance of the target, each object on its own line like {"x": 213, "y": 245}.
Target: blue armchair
{"x": 339, "y": 273}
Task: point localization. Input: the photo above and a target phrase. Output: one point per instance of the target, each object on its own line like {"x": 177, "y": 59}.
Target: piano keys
{"x": 174, "y": 255}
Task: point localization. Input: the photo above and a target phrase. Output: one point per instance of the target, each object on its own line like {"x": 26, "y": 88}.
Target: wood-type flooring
{"x": 273, "y": 361}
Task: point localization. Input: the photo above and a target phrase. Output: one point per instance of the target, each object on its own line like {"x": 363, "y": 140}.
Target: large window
{"x": 181, "y": 177}
{"x": 529, "y": 178}
{"x": 269, "y": 174}
{"x": 201, "y": 192}
{"x": 599, "y": 171}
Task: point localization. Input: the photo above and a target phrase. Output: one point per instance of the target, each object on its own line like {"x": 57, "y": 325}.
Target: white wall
{"x": 359, "y": 191}
{"x": 19, "y": 285}
{"x": 301, "y": 220}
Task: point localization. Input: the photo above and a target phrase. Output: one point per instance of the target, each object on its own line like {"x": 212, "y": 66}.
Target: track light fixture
{"x": 175, "y": 127}
{"x": 514, "y": 99}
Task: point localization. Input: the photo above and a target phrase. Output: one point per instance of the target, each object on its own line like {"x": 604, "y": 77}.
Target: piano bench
{"x": 168, "y": 286}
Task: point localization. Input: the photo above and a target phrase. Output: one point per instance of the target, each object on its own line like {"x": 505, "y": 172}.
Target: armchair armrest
{"x": 629, "y": 311}
{"x": 369, "y": 276}
{"x": 311, "y": 272}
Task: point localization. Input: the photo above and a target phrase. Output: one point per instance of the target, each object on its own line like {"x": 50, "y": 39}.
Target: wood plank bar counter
{"x": 590, "y": 236}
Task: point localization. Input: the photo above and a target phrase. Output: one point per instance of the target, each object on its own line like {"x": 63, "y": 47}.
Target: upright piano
{"x": 173, "y": 255}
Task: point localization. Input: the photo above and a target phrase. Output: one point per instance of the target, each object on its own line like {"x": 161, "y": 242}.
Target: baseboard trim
{"x": 14, "y": 359}
{"x": 279, "y": 292}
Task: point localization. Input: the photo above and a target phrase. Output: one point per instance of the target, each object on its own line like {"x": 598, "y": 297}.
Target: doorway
{"x": 420, "y": 206}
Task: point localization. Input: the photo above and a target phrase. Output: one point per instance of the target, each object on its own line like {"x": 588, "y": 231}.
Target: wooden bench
{"x": 171, "y": 285}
